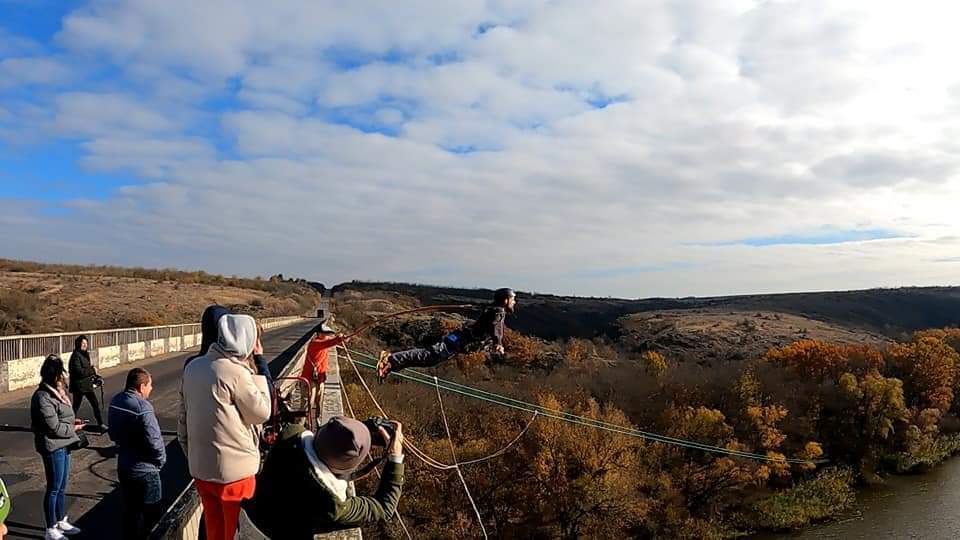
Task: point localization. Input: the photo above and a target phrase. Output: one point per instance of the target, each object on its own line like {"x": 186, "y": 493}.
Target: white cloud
{"x": 508, "y": 141}
{"x": 29, "y": 71}
{"x": 82, "y": 113}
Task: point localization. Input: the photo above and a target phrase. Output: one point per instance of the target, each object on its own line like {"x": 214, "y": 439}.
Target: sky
{"x": 609, "y": 148}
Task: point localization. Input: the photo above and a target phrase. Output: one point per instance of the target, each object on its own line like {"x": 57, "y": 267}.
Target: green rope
{"x": 569, "y": 417}
{"x": 505, "y": 401}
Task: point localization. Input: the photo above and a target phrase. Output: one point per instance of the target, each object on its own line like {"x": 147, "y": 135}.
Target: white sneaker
{"x": 53, "y": 534}
{"x": 66, "y": 528}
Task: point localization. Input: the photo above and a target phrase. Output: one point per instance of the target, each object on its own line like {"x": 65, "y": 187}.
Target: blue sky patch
{"x": 385, "y": 116}
{"x": 483, "y": 28}
{"x": 50, "y": 173}
{"x": 36, "y": 19}
{"x": 600, "y": 101}
{"x": 818, "y": 238}
{"x": 347, "y": 58}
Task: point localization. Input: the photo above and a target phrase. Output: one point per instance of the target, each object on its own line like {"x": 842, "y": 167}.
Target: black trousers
{"x": 422, "y": 357}
{"x": 94, "y": 402}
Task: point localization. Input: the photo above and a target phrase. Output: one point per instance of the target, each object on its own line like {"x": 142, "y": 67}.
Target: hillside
{"x": 38, "y": 298}
{"x": 893, "y": 313}
{"x": 704, "y": 335}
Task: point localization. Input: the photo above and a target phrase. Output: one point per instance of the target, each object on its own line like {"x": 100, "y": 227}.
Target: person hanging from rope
{"x": 486, "y": 331}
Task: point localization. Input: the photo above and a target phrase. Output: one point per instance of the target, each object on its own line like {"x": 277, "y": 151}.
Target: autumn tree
{"x": 709, "y": 484}
{"x": 654, "y": 363}
{"x": 585, "y": 478}
{"x": 820, "y": 360}
{"x": 928, "y": 367}
{"x": 861, "y": 421}
{"x": 576, "y": 351}
{"x": 521, "y": 350}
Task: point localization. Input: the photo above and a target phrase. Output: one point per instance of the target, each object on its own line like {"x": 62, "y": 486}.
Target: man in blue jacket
{"x": 140, "y": 452}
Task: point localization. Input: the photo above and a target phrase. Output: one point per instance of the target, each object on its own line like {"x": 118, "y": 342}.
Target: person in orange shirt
{"x": 318, "y": 355}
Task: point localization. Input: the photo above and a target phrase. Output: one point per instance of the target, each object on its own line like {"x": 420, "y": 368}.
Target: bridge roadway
{"x": 93, "y": 497}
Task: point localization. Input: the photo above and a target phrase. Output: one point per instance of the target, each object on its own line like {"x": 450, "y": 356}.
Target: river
{"x": 923, "y": 506}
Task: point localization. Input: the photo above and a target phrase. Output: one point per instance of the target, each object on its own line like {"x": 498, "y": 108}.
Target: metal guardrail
{"x": 38, "y": 345}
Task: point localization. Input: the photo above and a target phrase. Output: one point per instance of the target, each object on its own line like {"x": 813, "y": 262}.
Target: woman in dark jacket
{"x": 54, "y": 430}
{"x": 82, "y": 377}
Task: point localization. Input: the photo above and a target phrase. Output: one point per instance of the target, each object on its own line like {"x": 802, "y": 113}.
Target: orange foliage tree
{"x": 822, "y": 360}
{"x": 586, "y": 478}
{"x": 654, "y": 363}
{"x": 928, "y": 367}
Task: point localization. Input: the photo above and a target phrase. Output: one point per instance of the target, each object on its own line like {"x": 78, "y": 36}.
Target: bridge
{"x": 93, "y": 498}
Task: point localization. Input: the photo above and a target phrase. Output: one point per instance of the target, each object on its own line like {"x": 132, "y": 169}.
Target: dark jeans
{"x": 56, "y": 468}
{"x": 422, "y": 357}
{"x": 141, "y": 502}
{"x": 94, "y": 402}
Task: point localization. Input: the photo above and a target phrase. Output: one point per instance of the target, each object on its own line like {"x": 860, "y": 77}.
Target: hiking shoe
{"x": 383, "y": 365}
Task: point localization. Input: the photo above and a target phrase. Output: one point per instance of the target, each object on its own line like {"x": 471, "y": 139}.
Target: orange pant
{"x": 221, "y": 506}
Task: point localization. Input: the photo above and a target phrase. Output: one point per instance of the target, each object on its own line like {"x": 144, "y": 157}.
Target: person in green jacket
{"x": 302, "y": 489}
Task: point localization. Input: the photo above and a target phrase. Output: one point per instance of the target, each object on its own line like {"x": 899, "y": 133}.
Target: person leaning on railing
{"x": 317, "y": 359}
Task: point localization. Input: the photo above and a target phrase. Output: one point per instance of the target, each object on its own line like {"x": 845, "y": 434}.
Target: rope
{"x": 420, "y": 454}
{"x": 396, "y": 511}
{"x": 407, "y": 441}
{"x": 453, "y": 454}
{"x": 503, "y": 450}
{"x": 508, "y": 402}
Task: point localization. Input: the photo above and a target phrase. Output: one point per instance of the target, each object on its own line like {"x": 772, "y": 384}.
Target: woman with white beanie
{"x": 223, "y": 402}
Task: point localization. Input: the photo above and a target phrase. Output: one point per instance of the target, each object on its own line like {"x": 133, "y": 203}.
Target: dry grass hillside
{"x": 894, "y": 313}
{"x": 47, "y": 298}
{"x": 704, "y": 335}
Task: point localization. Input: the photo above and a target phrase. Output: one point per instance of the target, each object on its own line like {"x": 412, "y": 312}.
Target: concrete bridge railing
{"x": 22, "y": 356}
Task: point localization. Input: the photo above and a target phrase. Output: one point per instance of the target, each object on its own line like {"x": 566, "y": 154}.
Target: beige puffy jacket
{"x": 223, "y": 402}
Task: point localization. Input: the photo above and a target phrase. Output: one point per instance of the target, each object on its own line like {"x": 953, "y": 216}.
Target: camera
{"x": 97, "y": 381}
{"x": 374, "y": 423}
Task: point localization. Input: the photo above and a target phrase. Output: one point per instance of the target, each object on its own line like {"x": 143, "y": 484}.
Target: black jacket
{"x": 488, "y": 329}
{"x": 297, "y": 496}
{"x": 81, "y": 370}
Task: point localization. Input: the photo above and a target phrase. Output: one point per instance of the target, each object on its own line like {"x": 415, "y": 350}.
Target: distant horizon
{"x": 478, "y": 287}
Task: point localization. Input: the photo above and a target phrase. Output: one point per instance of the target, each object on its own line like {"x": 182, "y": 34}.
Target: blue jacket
{"x": 135, "y": 430}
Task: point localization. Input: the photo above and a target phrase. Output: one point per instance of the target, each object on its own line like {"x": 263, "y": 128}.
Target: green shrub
{"x": 827, "y": 495}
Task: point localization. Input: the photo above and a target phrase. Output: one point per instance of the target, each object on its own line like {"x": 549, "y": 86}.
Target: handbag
{"x": 81, "y": 442}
